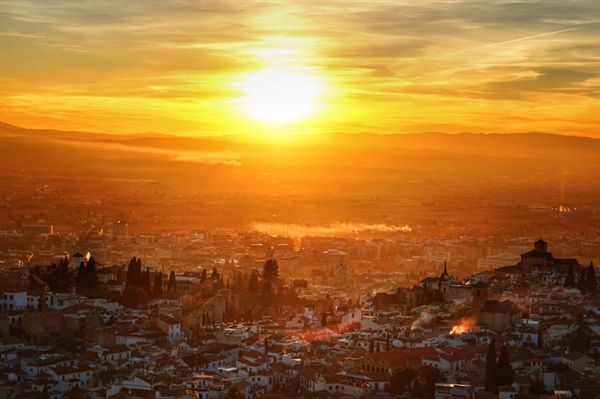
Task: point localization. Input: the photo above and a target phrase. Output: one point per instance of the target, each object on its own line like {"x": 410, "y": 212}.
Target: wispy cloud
{"x": 203, "y": 157}
{"x": 393, "y": 66}
{"x": 517, "y": 40}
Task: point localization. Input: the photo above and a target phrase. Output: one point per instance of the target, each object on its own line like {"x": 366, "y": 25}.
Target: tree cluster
{"x": 419, "y": 382}
{"x": 588, "y": 282}
{"x": 136, "y": 285}
{"x": 498, "y": 370}
{"x": 87, "y": 278}
{"x": 270, "y": 275}
{"x": 57, "y": 276}
{"x": 134, "y": 273}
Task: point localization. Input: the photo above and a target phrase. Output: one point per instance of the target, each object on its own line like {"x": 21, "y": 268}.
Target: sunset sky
{"x": 213, "y": 67}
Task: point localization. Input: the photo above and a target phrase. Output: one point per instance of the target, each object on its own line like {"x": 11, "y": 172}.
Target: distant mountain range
{"x": 399, "y": 179}
{"x": 521, "y": 145}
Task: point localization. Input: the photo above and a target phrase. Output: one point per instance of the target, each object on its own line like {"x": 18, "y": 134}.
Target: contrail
{"x": 520, "y": 39}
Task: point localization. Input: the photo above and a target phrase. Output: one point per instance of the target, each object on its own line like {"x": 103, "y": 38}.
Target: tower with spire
{"x": 445, "y": 276}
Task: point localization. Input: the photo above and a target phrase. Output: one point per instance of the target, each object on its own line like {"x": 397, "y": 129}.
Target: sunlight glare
{"x": 280, "y": 96}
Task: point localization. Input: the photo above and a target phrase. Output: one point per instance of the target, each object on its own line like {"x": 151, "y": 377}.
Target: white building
{"x": 13, "y": 300}
{"x": 171, "y": 327}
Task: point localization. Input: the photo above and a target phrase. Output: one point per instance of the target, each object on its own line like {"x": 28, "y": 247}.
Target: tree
{"x": 570, "y": 279}
{"x": 91, "y": 277}
{"x": 537, "y": 387}
{"x": 372, "y": 346}
{"x": 491, "y": 369}
{"x": 203, "y": 276}
{"x": 214, "y": 275}
{"x": 253, "y": 283}
{"x": 81, "y": 278}
{"x": 129, "y": 276}
{"x": 581, "y": 282}
{"x": 134, "y": 273}
{"x": 146, "y": 283}
{"x": 402, "y": 380}
{"x": 134, "y": 297}
{"x": 591, "y": 284}
{"x": 158, "y": 289}
{"x": 172, "y": 283}
{"x": 270, "y": 275}
{"x": 87, "y": 278}
{"x": 429, "y": 376}
{"x": 505, "y": 372}
{"x": 58, "y": 277}
{"x": 580, "y": 340}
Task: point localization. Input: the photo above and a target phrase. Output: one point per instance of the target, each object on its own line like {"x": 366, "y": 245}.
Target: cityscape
{"x": 246, "y": 199}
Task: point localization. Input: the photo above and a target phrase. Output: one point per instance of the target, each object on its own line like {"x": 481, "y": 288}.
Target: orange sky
{"x": 382, "y": 66}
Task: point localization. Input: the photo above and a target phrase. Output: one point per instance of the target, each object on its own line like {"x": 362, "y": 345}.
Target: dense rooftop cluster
{"x": 244, "y": 328}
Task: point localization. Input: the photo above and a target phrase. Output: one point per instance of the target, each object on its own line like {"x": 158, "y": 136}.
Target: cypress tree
{"x": 537, "y": 387}
{"x": 505, "y": 371}
{"x": 172, "y": 283}
{"x": 138, "y": 274}
{"x": 270, "y": 274}
{"x": 91, "y": 276}
{"x": 581, "y": 282}
{"x": 130, "y": 272}
{"x": 253, "y": 283}
{"x": 203, "y": 276}
{"x": 214, "y": 276}
{"x": 81, "y": 278}
{"x": 591, "y": 284}
{"x": 570, "y": 280}
{"x": 491, "y": 369}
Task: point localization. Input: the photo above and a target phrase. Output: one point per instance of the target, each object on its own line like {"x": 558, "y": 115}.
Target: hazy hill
{"x": 318, "y": 178}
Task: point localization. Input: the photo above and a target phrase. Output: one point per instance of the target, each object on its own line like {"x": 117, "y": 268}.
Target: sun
{"x": 280, "y": 96}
